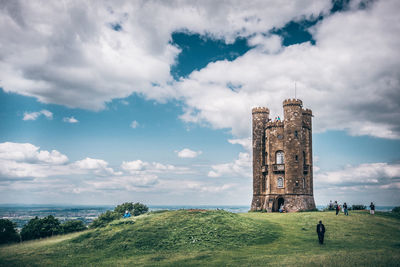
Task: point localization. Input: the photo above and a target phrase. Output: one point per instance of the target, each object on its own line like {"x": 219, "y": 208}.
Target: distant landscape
{"x": 22, "y": 213}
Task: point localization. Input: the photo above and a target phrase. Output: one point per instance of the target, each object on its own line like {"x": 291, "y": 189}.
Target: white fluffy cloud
{"x": 70, "y": 120}
{"x": 238, "y": 168}
{"x": 25, "y": 152}
{"x": 188, "y": 153}
{"x": 70, "y": 54}
{"x": 378, "y": 174}
{"x": 34, "y": 115}
{"x": 350, "y": 78}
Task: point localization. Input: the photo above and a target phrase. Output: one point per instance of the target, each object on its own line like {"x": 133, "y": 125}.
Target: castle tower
{"x": 282, "y": 159}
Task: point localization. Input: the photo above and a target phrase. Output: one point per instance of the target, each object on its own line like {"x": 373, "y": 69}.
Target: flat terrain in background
{"x": 220, "y": 238}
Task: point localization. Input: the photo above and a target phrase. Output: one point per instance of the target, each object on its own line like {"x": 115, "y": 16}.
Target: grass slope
{"x": 219, "y": 238}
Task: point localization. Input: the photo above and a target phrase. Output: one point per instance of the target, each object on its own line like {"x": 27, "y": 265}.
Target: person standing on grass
{"x": 346, "y": 212}
{"x": 337, "y": 208}
{"x": 372, "y": 209}
{"x": 321, "y": 232}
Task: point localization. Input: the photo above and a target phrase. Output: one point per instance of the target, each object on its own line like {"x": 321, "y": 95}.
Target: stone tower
{"x": 282, "y": 159}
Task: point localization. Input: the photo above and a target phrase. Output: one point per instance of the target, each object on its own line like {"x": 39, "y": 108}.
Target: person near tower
{"x": 321, "y": 232}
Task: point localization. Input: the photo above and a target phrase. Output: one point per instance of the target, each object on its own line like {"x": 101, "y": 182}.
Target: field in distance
{"x": 220, "y": 238}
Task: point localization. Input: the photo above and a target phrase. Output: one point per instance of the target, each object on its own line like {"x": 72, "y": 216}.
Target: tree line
{"x": 50, "y": 226}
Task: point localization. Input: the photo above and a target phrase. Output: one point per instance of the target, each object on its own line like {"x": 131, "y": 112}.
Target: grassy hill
{"x": 219, "y": 238}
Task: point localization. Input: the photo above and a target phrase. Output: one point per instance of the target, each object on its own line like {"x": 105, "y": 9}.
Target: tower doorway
{"x": 277, "y": 203}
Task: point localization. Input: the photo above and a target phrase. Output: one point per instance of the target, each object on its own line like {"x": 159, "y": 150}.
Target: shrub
{"x": 37, "y": 228}
{"x": 105, "y": 218}
{"x": 73, "y": 226}
{"x": 358, "y": 207}
{"x": 135, "y": 208}
{"x": 127, "y": 206}
{"x": 139, "y": 208}
{"x": 396, "y": 209}
{"x": 8, "y": 233}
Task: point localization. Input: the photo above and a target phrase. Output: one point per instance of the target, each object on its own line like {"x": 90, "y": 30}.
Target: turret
{"x": 260, "y": 119}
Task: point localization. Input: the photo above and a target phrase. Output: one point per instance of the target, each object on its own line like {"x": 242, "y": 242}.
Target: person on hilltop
{"x": 321, "y": 232}
{"x": 337, "y": 208}
{"x": 127, "y": 214}
{"x": 330, "y": 205}
{"x": 372, "y": 209}
{"x": 346, "y": 212}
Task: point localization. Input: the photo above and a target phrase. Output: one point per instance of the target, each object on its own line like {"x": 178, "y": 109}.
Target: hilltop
{"x": 219, "y": 238}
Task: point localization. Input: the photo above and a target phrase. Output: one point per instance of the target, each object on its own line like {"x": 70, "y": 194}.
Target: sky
{"x": 103, "y": 102}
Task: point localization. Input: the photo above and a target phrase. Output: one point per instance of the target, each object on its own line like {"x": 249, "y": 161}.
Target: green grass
{"x": 219, "y": 238}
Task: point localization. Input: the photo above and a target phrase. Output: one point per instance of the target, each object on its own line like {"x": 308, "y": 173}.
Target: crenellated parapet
{"x": 260, "y": 110}
{"x": 274, "y": 124}
{"x": 292, "y": 102}
{"x": 307, "y": 112}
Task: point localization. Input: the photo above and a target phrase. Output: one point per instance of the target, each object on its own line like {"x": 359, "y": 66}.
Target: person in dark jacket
{"x": 346, "y": 211}
{"x": 372, "y": 209}
{"x": 321, "y": 232}
{"x": 337, "y": 208}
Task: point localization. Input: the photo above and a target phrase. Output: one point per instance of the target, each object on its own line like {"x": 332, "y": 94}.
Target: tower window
{"x": 296, "y": 158}
{"x": 297, "y": 183}
{"x": 296, "y": 134}
{"x": 304, "y": 182}
{"x": 280, "y": 159}
{"x": 280, "y": 182}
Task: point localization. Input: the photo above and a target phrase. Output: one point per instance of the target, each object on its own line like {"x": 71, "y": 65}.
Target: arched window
{"x": 280, "y": 159}
{"x": 280, "y": 182}
{"x": 296, "y": 134}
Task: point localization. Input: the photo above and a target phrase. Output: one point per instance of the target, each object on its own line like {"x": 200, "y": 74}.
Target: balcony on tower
{"x": 279, "y": 168}
{"x": 306, "y": 168}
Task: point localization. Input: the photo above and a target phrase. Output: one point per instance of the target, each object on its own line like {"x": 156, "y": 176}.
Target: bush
{"x": 37, "y": 228}
{"x": 73, "y": 226}
{"x": 358, "y": 207}
{"x": 105, "y": 218}
{"x": 8, "y": 232}
{"x": 139, "y": 208}
{"x": 396, "y": 209}
{"x": 127, "y": 206}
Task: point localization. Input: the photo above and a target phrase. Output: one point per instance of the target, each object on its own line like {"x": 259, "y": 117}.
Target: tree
{"x": 73, "y": 226}
{"x": 127, "y": 206}
{"x": 37, "y": 228}
{"x": 139, "y": 208}
{"x": 8, "y": 232}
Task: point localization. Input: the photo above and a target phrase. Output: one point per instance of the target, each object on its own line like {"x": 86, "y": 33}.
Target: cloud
{"x": 98, "y": 166}
{"x": 240, "y": 167}
{"x": 134, "y": 124}
{"x": 89, "y": 62}
{"x": 34, "y": 115}
{"x": 188, "y": 153}
{"x": 25, "y": 152}
{"x": 74, "y": 55}
{"x": 139, "y": 166}
{"x": 70, "y": 120}
{"x": 376, "y": 174}
{"x": 331, "y": 76}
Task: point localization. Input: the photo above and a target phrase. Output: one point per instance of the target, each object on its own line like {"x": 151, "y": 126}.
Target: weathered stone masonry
{"x": 282, "y": 159}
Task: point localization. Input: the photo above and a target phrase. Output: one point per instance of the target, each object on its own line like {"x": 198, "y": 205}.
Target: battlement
{"x": 260, "y": 110}
{"x": 307, "y": 111}
{"x": 272, "y": 124}
{"x": 292, "y": 102}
